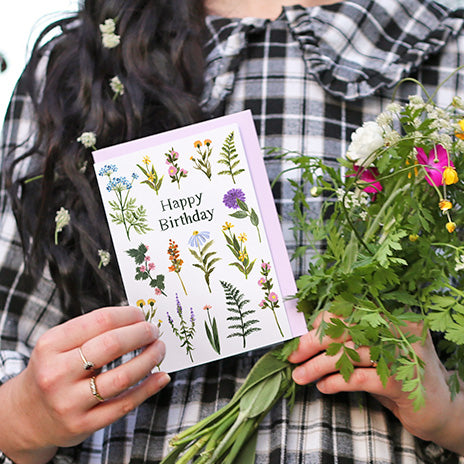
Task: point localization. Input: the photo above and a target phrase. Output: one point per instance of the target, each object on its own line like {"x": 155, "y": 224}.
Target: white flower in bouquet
{"x": 364, "y": 142}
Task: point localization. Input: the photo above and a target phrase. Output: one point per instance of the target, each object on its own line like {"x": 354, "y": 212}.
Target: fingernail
{"x": 165, "y": 379}
{"x": 298, "y": 374}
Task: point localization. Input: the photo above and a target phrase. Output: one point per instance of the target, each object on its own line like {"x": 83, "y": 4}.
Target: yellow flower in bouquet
{"x": 389, "y": 250}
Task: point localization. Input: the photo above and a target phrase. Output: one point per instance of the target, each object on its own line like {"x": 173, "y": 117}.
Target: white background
{"x": 22, "y": 20}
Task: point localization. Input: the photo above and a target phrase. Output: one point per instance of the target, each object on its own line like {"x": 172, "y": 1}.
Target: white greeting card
{"x": 198, "y": 240}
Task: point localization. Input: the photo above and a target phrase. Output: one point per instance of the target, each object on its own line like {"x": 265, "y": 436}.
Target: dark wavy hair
{"x": 160, "y": 63}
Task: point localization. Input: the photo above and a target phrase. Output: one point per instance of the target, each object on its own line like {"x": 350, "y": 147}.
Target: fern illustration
{"x": 240, "y": 326}
{"x": 229, "y": 157}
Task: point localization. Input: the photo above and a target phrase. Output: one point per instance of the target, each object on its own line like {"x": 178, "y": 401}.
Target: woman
{"x": 311, "y": 75}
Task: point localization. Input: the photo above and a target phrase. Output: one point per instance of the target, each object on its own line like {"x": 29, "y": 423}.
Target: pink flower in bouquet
{"x": 369, "y": 176}
{"x": 435, "y": 163}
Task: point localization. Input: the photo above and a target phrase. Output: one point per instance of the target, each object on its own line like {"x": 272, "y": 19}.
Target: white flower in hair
{"x": 109, "y": 38}
{"x": 62, "y": 219}
{"x": 105, "y": 258}
{"x": 88, "y": 139}
{"x": 116, "y": 86}
{"x": 364, "y": 142}
{"x": 108, "y": 27}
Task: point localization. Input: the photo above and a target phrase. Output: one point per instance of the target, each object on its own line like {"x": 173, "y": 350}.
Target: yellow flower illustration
{"x": 227, "y": 226}
{"x": 151, "y": 302}
{"x": 207, "y": 142}
{"x": 140, "y": 303}
{"x": 197, "y": 144}
{"x": 242, "y": 237}
{"x": 146, "y": 160}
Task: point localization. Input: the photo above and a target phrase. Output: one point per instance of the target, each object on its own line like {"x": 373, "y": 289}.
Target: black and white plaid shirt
{"x": 310, "y": 77}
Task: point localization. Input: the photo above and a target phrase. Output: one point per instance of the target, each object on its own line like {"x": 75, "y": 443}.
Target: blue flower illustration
{"x": 198, "y": 238}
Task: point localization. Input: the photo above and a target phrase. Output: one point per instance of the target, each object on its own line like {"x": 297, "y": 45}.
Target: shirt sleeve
{"x": 28, "y": 307}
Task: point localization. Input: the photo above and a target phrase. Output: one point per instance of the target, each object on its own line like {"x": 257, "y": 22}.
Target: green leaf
{"x": 256, "y": 400}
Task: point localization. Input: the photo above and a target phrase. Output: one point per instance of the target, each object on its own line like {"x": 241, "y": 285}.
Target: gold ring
{"x": 87, "y": 364}
{"x": 93, "y": 389}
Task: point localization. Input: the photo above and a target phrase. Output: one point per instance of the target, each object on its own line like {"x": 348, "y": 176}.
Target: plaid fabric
{"x": 310, "y": 77}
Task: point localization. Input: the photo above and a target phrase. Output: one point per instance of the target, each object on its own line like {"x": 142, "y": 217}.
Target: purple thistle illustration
{"x": 231, "y": 197}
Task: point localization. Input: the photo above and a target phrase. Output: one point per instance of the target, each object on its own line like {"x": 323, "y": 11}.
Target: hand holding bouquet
{"x": 388, "y": 252}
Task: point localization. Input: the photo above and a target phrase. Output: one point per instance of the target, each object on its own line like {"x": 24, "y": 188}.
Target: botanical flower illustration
{"x": 62, "y": 219}
{"x": 145, "y": 268}
{"x": 149, "y": 309}
{"x": 240, "y": 324}
{"x": 151, "y": 176}
{"x": 175, "y": 172}
{"x": 229, "y": 158}
{"x": 185, "y": 332}
{"x": 109, "y": 38}
{"x": 105, "y": 258}
{"x": 176, "y": 261}
{"x": 237, "y": 246}
{"x": 212, "y": 331}
{"x": 201, "y": 251}
{"x": 202, "y": 160}
{"x": 271, "y": 299}
{"x": 235, "y": 199}
{"x": 125, "y": 210}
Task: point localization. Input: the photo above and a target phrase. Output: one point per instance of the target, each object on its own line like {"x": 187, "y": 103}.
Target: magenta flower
{"x": 230, "y": 198}
{"x": 369, "y": 176}
{"x": 435, "y": 163}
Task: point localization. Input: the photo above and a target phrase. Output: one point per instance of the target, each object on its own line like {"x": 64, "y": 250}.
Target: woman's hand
{"x": 51, "y": 404}
{"x": 440, "y": 420}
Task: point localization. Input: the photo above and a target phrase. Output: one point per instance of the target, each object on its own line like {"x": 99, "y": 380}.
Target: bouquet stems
{"x": 221, "y": 436}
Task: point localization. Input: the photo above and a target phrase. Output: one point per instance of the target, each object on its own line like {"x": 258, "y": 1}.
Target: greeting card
{"x": 198, "y": 240}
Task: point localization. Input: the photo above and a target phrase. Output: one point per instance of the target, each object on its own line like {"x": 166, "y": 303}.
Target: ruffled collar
{"x": 352, "y": 48}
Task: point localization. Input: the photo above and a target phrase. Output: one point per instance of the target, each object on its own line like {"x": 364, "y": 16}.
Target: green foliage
{"x": 206, "y": 260}
{"x": 240, "y": 325}
{"x": 380, "y": 262}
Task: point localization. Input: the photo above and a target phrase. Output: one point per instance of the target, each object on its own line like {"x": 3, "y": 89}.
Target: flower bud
{"x": 450, "y": 227}
{"x": 315, "y": 191}
{"x": 413, "y": 237}
{"x": 450, "y": 176}
{"x": 445, "y": 205}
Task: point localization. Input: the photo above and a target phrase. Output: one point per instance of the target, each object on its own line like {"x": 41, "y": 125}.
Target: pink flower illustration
{"x": 261, "y": 281}
{"x": 151, "y": 266}
{"x": 172, "y": 171}
{"x": 273, "y": 296}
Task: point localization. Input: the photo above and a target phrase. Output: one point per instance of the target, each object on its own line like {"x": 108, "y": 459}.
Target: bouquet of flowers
{"x": 388, "y": 250}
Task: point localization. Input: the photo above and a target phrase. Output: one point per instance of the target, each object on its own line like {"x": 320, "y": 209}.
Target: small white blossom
{"x": 384, "y": 120}
{"x": 394, "y": 108}
{"x": 108, "y": 27}
{"x": 62, "y": 219}
{"x": 364, "y": 141}
{"x": 117, "y": 86}
{"x": 363, "y": 215}
{"x": 458, "y": 102}
{"x": 416, "y": 102}
{"x": 88, "y": 139}
{"x": 459, "y": 263}
{"x": 391, "y": 137}
{"x": 105, "y": 258}
{"x": 110, "y": 40}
